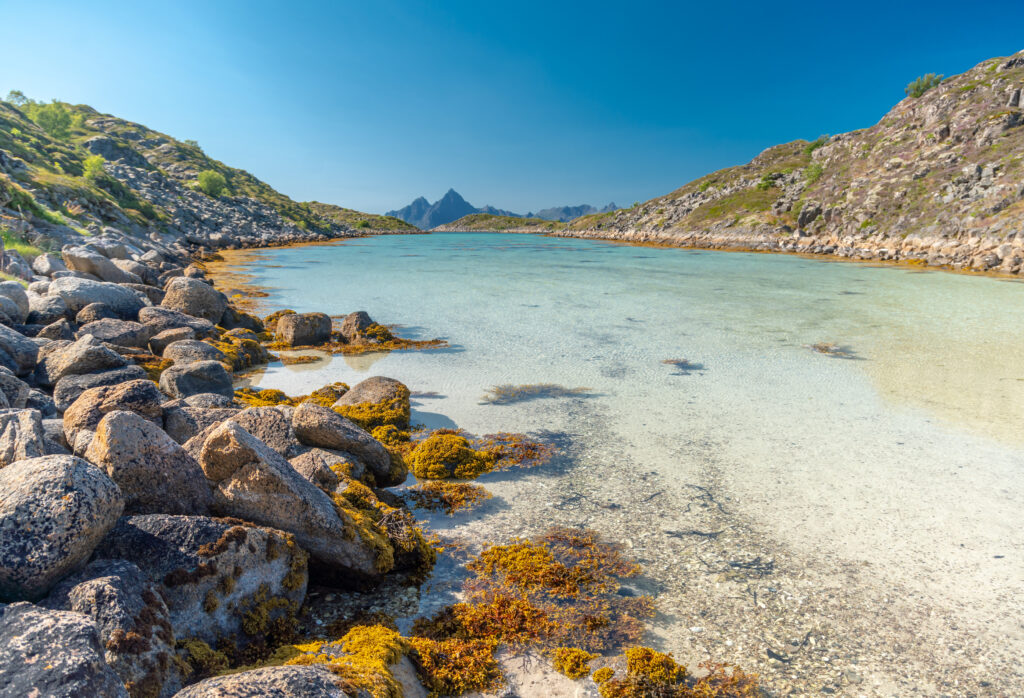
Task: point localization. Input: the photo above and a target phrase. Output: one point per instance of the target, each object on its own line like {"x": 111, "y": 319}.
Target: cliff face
{"x": 54, "y": 189}
{"x": 939, "y": 180}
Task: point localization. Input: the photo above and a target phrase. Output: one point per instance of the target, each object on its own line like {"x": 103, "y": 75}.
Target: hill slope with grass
{"x": 490, "y": 223}
{"x": 68, "y": 172}
{"x": 938, "y": 181}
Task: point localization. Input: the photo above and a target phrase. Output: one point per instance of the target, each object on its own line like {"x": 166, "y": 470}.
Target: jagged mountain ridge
{"x": 938, "y": 181}
{"x": 452, "y": 207}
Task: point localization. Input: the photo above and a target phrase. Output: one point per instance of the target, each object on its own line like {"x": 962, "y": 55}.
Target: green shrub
{"x": 813, "y": 172}
{"x": 54, "y": 118}
{"x": 212, "y": 183}
{"x": 363, "y": 224}
{"x": 815, "y": 144}
{"x": 17, "y": 98}
{"x": 92, "y": 168}
{"x": 923, "y": 84}
{"x": 766, "y": 183}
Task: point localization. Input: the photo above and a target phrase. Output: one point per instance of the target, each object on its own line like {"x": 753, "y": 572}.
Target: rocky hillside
{"x": 489, "y": 223}
{"x": 87, "y": 173}
{"x": 938, "y": 181}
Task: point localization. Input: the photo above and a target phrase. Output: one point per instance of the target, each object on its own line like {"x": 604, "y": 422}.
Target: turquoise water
{"x": 877, "y": 457}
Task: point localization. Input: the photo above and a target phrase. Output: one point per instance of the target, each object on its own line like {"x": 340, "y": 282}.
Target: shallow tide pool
{"x": 905, "y": 457}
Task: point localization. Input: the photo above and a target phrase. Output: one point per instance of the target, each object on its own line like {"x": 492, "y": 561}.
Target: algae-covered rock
{"x": 303, "y": 329}
{"x": 375, "y": 402}
{"x": 442, "y": 456}
{"x": 155, "y": 474}
{"x": 53, "y": 653}
{"x": 324, "y": 467}
{"x": 354, "y": 324}
{"x": 320, "y": 427}
{"x": 53, "y": 512}
{"x": 220, "y": 578}
{"x": 131, "y": 616}
{"x": 255, "y": 483}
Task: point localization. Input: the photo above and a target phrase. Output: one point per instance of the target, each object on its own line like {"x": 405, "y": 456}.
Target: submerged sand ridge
{"x": 793, "y": 513}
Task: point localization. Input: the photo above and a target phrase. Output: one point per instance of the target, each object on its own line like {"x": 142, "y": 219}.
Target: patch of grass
{"x": 813, "y": 172}
{"x": 750, "y": 201}
{"x": 15, "y": 242}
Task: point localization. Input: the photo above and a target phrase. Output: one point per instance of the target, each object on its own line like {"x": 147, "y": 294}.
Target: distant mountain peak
{"x": 452, "y": 206}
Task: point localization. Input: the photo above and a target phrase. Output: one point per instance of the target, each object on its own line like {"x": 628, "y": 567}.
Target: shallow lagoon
{"x": 905, "y": 461}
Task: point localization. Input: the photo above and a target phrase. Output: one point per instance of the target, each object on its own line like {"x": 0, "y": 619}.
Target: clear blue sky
{"x": 521, "y": 105}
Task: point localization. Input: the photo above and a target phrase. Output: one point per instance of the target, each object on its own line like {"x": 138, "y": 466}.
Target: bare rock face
{"x": 304, "y": 329}
{"x": 188, "y": 351}
{"x": 323, "y": 428}
{"x": 59, "y": 329}
{"x": 17, "y": 352}
{"x": 53, "y": 512}
{"x": 15, "y": 292}
{"x": 53, "y": 653}
{"x": 15, "y": 391}
{"x": 165, "y": 338}
{"x": 46, "y": 264}
{"x": 255, "y": 483}
{"x": 138, "y": 396}
{"x": 91, "y": 262}
{"x": 183, "y": 422}
{"x": 78, "y": 293}
{"x": 45, "y": 310}
{"x": 131, "y": 616}
{"x": 21, "y": 435}
{"x": 194, "y": 297}
{"x": 314, "y": 681}
{"x": 122, "y": 333}
{"x": 70, "y": 388}
{"x": 155, "y": 474}
{"x": 86, "y": 355}
{"x": 162, "y": 318}
{"x": 195, "y": 378}
{"x": 94, "y": 312}
{"x": 272, "y": 426}
{"x": 220, "y": 578}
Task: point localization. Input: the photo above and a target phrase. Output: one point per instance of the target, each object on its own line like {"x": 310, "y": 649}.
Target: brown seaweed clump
{"x": 653, "y": 673}
{"x": 508, "y": 394}
{"x": 447, "y": 455}
{"x": 449, "y": 497}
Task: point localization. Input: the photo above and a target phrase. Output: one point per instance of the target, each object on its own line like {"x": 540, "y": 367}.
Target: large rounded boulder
{"x": 194, "y": 297}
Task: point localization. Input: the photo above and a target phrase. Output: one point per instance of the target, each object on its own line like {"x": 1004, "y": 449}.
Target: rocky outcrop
{"x": 304, "y": 329}
{"x": 53, "y": 512}
{"x": 323, "y": 428}
{"x": 194, "y": 297}
{"x": 135, "y": 453}
{"x": 53, "y": 653}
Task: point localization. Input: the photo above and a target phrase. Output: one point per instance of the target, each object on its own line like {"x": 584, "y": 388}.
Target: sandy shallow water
{"x": 842, "y": 526}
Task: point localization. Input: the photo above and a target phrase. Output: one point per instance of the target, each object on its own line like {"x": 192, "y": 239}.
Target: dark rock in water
{"x": 213, "y": 572}
{"x": 94, "y": 312}
{"x": 304, "y": 329}
{"x": 195, "y": 378}
{"x": 133, "y": 621}
{"x": 253, "y": 482}
{"x": 188, "y": 351}
{"x": 324, "y": 428}
{"x": 21, "y": 435}
{"x": 122, "y": 333}
{"x": 166, "y": 319}
{"x": 53, "y": 512}
{"x": 354, "y": 324}
{"x": 69, "y": 388}
{"x": 53, "y": 653}
{"x": 17, "y": 352}
{"x": 194, "y": 297}
{"x": 137, "y": 454}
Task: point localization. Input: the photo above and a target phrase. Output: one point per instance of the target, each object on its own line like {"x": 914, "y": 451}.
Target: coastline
{"x": 802, "y": 617}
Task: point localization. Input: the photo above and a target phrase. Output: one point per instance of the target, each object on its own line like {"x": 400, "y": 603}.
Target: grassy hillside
{"x": 486, "y": 222}
{"x": 359, "y": 220}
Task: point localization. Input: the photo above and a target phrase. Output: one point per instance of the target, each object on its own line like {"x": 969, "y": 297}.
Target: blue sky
{"x": 521, "y": 105}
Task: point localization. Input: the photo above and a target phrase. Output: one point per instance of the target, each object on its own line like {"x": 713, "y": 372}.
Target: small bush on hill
{"x": 923, "y": 84}
{"x": 212, "y": 183}
{"x": 54, "y": 118}
{"x": 92, "y": 168}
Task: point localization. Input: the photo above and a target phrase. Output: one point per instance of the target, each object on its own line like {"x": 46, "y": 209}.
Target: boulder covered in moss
{"x": 375, "y": 402}
{"x": 131, "y": 616}
{"x": 323, "y": 428}
{"x": 253, "y": 482}
{"x": 324, "y": 467}
{"x": 53, "y": 653}
{"x": 303, "y": 329}
{"x": 445, "y": 455}
{"x": 310, "y": 681}
{"x": 156, "y": 475}
{"x": 53, "y": 512}
{"x": 354, "y": 324}
{"x": 219, "y": 578}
